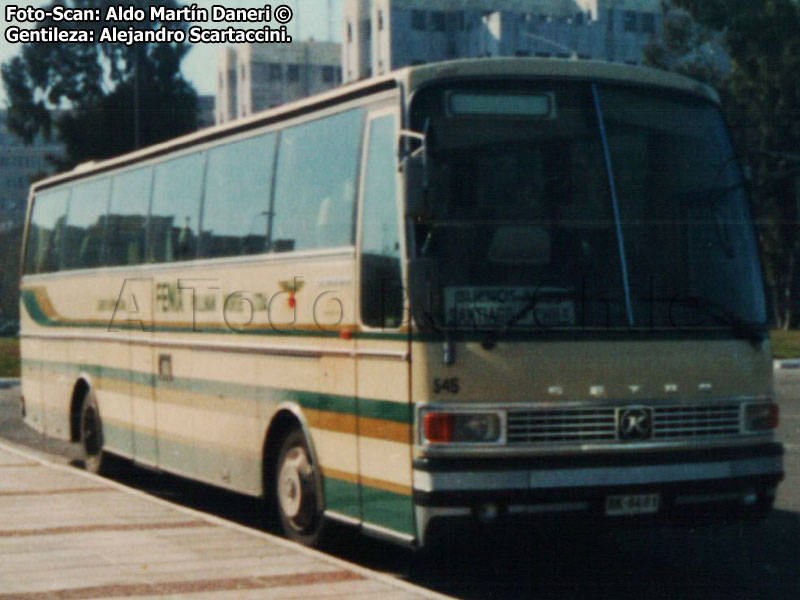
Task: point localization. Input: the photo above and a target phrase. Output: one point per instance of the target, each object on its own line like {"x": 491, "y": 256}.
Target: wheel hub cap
{"x": 292, "y": 484}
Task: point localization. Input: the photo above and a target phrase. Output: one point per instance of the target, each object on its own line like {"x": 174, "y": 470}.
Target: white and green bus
{"x": 472, "y": 292}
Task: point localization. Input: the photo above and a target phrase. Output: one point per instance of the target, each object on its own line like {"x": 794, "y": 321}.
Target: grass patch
{"x": 786, "y": 344}
{"x": 9, "y": 357}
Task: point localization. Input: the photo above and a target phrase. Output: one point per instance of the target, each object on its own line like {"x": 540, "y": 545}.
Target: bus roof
{"x": 412, "y": 78}
{"x": 591, "y": 70}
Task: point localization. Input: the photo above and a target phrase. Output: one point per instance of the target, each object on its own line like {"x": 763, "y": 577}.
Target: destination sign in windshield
{"x": 492, "y": 307}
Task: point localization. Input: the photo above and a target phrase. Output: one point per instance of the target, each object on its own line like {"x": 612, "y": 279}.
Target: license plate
{"x": 640, "y": 504}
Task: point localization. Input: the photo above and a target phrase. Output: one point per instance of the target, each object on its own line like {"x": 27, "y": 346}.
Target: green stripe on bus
{"x": 387, "y": 509}
{"x": 31, "y": 304}
{"x": 380, "y": 507}
{"x": 342, "y": 497}
{"x": 93, "y": 370}
{"x": 377, "y": 409}
{"x": 387, "y": 411}
{"x": 373, "y": 409}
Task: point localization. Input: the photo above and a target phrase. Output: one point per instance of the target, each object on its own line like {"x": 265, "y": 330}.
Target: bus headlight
{"x": 761, "y": 417}
{"x": 440, "y": 427}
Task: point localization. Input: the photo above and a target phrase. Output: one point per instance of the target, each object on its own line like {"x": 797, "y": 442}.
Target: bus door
{"x": 384, "y": 410}
{"x": 125, "y": 234}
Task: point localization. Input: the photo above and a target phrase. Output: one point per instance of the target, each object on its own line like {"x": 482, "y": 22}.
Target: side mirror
{"x": 414, "y": 177}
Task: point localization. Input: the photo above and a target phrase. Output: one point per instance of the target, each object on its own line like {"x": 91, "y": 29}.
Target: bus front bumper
{"x": 688, "y": 484}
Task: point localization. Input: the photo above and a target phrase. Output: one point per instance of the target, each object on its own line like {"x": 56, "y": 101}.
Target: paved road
{"x": 708, "y": 563}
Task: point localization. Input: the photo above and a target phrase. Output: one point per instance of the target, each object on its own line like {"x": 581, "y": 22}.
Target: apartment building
{"x": 254, "y": 77}
{"x": 382, "y": 35}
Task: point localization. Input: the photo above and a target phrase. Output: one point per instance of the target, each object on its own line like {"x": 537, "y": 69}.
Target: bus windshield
{"x": 575, "y": 206}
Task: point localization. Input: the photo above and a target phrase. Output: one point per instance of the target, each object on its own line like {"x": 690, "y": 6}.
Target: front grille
{"x": 582, "y": 425}
{"x": 682, "y": 422}
{"x": 562, "y": 425}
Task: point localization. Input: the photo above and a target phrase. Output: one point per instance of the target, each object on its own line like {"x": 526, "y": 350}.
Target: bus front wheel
{"x": 296, "y": 493}
{"x": 91, "y": 435}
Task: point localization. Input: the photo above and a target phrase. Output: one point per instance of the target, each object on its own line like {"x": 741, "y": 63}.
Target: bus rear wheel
{"x": 91, "y": 436}
{"x": 296, "y": 491}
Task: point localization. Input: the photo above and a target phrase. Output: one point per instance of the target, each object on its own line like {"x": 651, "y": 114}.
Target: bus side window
{"x": 316, "y": 181}
{"x": 127, "y": 217}
{"x": 175, "y": 212}
{"x": 381, "y": 280}
{"x": 83, "y": 238}
{"x": 236, "y": 207}
{"x": 46, "y": 232}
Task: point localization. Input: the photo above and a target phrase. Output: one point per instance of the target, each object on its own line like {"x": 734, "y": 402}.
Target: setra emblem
{"x": 635, "y": 424}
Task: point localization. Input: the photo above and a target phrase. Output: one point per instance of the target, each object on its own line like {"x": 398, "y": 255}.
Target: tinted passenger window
{"x": 381, "y": 283}
{"x": 238, "y": 187}
{"x": 45, "y": 239}
{"x": 316, "y": 183}
{"x": 86, "y": 221}
{"x": 175, "y": 213}
{"x": 127, "y": 217}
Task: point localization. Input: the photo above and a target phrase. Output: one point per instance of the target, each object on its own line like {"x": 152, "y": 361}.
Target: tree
{"x": 10, "y": 241}
{"x": 112, "y": 98}
{"x": 688, "y": 48}
{"x": 761, "y": 93}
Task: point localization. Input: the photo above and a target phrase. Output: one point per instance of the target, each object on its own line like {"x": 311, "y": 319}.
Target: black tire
{"x": 91, "y": 436}
{"x": 295, "y": 491}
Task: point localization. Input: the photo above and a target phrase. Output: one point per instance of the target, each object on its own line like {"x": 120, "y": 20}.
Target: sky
{"x": 311, "y": 17}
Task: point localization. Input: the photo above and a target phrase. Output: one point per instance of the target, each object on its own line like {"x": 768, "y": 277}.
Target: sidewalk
{"x": 68, "y": 535}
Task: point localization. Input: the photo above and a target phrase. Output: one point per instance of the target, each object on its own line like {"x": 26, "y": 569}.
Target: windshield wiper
{"x": 490, "y": 341}
{"x": 741, "y": 329}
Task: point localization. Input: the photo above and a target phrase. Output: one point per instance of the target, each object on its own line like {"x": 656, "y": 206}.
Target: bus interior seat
{"x": 525, "y": 244}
